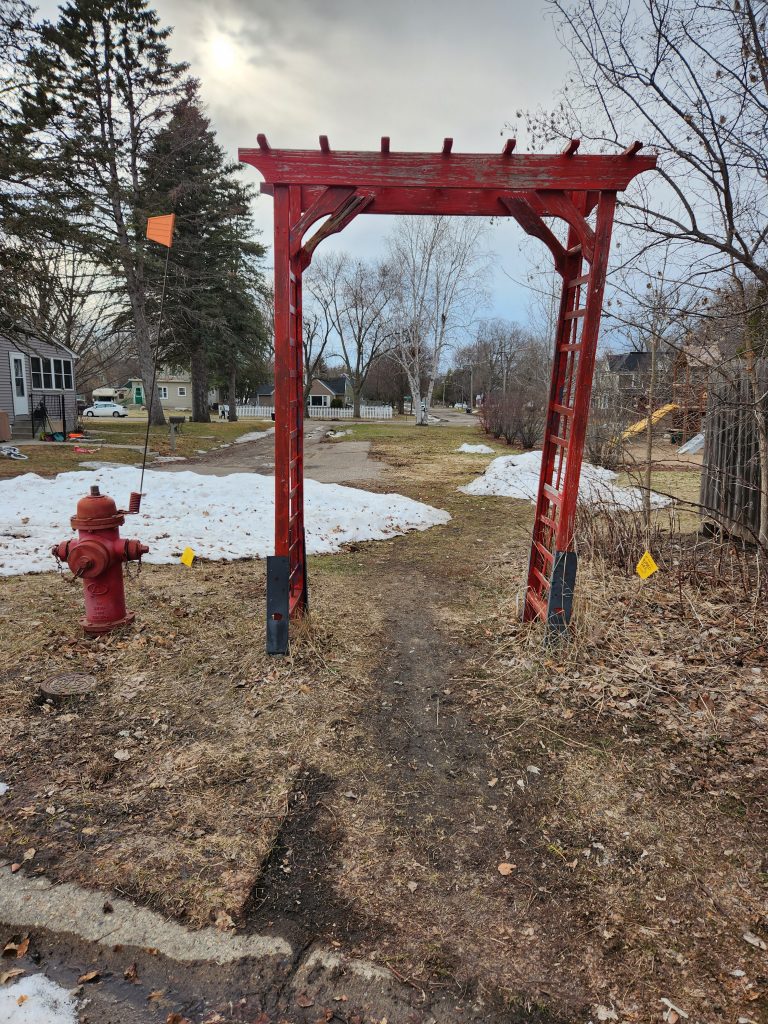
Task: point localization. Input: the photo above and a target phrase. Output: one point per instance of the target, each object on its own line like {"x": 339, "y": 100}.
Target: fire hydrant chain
{"x": 60, "y": 566}
{"x": 97, "y": 558}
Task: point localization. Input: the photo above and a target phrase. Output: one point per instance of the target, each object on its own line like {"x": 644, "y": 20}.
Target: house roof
{"x": 164, "y": 377}
{"x": 629, "y": 362}
{"x": 27, "y": 344}
{"x": 338, "y": 385}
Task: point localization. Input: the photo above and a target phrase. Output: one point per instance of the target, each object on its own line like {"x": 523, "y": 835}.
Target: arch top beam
{"x": 505, "y": 171}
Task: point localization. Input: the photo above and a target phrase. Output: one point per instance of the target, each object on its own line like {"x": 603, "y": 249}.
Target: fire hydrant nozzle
{"x": 97, "y": 558}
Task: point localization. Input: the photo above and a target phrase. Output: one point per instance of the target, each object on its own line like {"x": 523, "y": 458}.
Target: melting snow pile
{"x": 255, "y": 435}
{"x": 476, "y": 449}
{"x": 218, "y": 517}
{"x": 42, "y": 1002}
{"x": 517, "y": 476}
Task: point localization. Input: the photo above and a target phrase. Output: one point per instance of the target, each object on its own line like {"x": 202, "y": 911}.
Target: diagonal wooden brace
{"x": 530, "y": 221}
{"x": 326, "y": 204}
{"x": 343, "y": 205}
{"x": 559, "y": 204}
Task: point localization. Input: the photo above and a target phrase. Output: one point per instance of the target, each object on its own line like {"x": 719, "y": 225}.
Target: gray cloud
{"x": 416, "y": 70}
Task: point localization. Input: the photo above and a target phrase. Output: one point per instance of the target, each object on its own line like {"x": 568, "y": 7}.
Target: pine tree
{"x": 28, "y": 212}
{"x": 107, "y": 67}
{"x": 212, "y": 320}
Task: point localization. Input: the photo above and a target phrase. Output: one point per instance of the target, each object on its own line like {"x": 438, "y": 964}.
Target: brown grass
{"x": 425, "y": 706}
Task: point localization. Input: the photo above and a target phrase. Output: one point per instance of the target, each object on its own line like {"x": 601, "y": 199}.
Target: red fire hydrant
{"x": 97, "y": 558}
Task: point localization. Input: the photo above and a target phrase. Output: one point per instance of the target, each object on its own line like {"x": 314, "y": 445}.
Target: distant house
{"x": 321, "y": 393}
{"x": 174, "y": 390}
{"x": 325, "y": 389}
{"x": 37, "y": 386}
{"x": 265, "y": 396}
{"x": 631, "y": 375}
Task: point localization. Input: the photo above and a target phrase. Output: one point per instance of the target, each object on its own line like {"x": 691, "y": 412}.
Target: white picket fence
{"x": 257, "y": 412}
{"x": 367, "y": 412}
{"x": 319, "y": 412}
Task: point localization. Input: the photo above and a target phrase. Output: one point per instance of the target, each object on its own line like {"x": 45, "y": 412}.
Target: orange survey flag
{"x": 160, "y": 229}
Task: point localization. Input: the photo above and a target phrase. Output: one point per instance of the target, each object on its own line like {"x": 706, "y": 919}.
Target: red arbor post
{"x": 309, "y": 185}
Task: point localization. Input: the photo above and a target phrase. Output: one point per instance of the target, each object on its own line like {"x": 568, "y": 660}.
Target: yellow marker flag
{"x": 188, "y": 557}
{"x": 160, "y": 229}
{"x": 646, "y": 566}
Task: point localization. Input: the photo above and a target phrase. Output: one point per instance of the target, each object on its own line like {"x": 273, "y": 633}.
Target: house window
{"x": 18, "y": 376}
{"x": 162, "y": 390}
{"x": 182, "y": 392}
{"x": 48, "y": 374}
{"x": 318, "y": 400}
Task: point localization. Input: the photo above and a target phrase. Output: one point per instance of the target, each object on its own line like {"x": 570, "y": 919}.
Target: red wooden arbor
{"x": 309, "y": 185}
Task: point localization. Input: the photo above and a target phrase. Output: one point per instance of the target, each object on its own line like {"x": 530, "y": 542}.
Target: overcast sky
{"x": 416, "y": 70}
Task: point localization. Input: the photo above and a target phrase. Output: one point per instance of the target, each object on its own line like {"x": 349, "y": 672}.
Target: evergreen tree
{"x": 107, "y": 68}
{"x": 212, "y": 321}
{"x": 28, "y": 211}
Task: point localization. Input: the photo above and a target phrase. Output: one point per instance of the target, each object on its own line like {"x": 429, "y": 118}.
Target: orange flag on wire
{"x": 160, "y": 229}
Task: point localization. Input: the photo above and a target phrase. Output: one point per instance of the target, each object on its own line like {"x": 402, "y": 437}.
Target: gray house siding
{"x": 29, "y": 349}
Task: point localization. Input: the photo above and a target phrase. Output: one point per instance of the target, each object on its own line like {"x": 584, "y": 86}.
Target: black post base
{"x": 561, "y": 587}
{"x": 277, "y": 604}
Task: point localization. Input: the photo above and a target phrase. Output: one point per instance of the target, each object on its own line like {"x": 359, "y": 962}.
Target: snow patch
{"x": 94, "y": 464}
{"x": 3, "y": 788}
{"x": 692, "y": 445}
{"x": 170, "y": 458}
{"x": 255, "y": 435}
{"x": 219, "y": 517}
{"x": 517, "y": 476}
{"x": 476, "y": 449}
{"x": 45, "y": 1002}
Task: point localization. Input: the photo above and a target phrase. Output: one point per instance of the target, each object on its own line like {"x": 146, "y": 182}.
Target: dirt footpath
{"x": 325, "y": 460}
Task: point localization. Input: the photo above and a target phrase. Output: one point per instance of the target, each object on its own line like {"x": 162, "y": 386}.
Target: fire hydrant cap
{"x": 96, "y": 511}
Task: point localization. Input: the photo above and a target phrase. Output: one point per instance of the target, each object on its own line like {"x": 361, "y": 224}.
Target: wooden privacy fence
{"x": 730, "y": 479}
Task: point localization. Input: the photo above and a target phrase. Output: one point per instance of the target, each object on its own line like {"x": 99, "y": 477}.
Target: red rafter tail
{"x": 261, "y": 138}
{"x": 571, "y": 148}
{"x": 633, "y": 149}
{"x": 325, "y": 145}
{"x": 509, "y": 146}
{"x": 447, "y": 146}
{"x": 384, "y": 143}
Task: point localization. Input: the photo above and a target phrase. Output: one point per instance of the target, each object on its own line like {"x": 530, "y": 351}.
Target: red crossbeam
{"x": 509, "y": 171}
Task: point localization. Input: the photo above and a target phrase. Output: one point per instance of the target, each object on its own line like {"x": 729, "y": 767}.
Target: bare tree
{"x": 436, "y": 272}
{"x": 353, "y": 296}
{"x": 692, "y": 80}
{"x": 63, "y": 297}
{"x": 315, "y": 335}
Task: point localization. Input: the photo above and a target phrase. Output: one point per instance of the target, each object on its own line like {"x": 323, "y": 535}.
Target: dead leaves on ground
{"x": 16, "y": 949}
{"x": 6, "y": 976}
